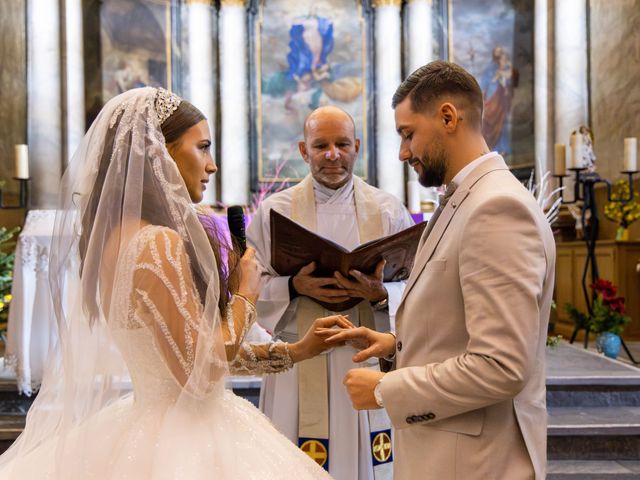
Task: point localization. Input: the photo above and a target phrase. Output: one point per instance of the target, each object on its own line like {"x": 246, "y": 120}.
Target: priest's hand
{"x": 369, "y": 287}
{"x": 324, "y": 289}
{"x": 360, "y": 383}
{"x": 313, "y": 344}
{"x": 369, "y": 342}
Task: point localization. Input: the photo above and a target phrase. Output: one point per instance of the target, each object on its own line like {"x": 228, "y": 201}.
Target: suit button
{"x": 399, "y": 347}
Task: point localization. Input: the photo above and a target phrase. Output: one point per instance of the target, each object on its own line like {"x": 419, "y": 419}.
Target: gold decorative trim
{"x": 208, "y": 3}
{"x": 428, "y": 2}
{"x": 233, "y": 3}
{"x": 386, "y": 3}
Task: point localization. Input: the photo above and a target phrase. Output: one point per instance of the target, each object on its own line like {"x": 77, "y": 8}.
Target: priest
{"x": 309, "y": 404}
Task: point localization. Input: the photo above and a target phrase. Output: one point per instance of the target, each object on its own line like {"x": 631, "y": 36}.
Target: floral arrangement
{"x": 624, "y": 214}
{"x": 608, "y": 310}
{"x": 7, "y": 257}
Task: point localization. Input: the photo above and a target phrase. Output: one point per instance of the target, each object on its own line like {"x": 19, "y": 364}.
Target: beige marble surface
{"x": 615, "y": 79}
{"x": 13, "y": 83}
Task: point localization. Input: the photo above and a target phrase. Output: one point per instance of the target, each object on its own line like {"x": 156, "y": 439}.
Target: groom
{"x": 466, "y": 394}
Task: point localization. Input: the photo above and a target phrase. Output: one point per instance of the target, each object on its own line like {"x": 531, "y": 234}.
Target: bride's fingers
{"x": 327, "y": 332}
{"x": 333, "y": 321}
{"x": 345, "y": 319}
{"x": 346, "y": 335}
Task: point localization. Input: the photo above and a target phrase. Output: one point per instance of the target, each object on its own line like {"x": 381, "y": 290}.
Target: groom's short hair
{"x": 442, "y": 79}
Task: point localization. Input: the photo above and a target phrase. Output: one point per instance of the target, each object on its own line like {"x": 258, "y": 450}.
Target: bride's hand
{"x": 313, "y": 344}
{"x": 249, "y": 285}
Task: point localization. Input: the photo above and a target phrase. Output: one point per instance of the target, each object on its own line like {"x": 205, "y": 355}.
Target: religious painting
{"x": 128, "y": 44}
{"x": 493, "y": 39}
{"x": 305, "y": 54}
{"x": 136, "y": 45}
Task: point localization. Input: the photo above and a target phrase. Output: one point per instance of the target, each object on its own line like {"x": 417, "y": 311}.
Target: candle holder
{"x": 23, "y": 196}
{"x": 584, "y": 191}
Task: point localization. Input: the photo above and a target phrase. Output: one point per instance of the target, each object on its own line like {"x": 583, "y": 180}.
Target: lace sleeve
{"x": 164, "y": 297}
{"x": 252, "y": 358}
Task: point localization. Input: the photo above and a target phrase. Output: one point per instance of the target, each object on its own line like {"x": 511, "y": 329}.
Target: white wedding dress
{"x": 219, "y": 437}
{"x": 141, "y": 290}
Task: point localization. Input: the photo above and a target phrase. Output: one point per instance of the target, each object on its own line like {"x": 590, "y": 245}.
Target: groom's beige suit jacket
{"x": 467, "y": 395}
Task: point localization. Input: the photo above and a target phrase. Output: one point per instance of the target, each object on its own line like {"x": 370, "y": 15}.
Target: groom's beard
{"x": 434, "y": 168}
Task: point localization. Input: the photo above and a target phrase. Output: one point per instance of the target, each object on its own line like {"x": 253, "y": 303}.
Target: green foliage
{"x": 580, "y": 319}
{"x": 553, "y": 341}
{"x": 607, "y": 311}
{"x": 605, "y": 319}
{"x": 7, "y": 257}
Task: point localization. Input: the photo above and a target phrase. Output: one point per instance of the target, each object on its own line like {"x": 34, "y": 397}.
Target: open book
{"x": 293, "y": 247}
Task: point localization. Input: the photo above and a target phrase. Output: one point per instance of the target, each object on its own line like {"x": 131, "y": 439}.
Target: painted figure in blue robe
{"x": 310, "y": 43}
{"x": 497, "y": 83}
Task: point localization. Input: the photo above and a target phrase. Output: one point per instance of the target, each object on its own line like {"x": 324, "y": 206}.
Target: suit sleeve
{"x": 502, "y": 267}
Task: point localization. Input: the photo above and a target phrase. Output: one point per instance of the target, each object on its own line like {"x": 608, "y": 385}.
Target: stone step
{"x": 581, "y": 378}
{"x": 593, "y": 433}
{"x": 594, "y": 395}
{"x": 10, "y": 427}
{"x": 592, "y": 470}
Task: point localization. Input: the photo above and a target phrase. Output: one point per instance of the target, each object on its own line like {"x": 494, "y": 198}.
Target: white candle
{"x": 413, "y": 196}
{"x": 22, "y": 161}
{"x": 576, "y": 150}
{"x": 630, "y": 154}
{"x": 560, "y": 165}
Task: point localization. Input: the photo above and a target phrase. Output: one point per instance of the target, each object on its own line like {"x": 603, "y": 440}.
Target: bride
{"x": 141, "y": 299}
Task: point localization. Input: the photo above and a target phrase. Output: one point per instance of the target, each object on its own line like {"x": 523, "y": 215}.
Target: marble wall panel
{"x": 615, "y": 79}
{"x": 13, "y": 86}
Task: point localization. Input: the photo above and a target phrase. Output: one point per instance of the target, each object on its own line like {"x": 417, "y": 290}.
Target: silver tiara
{"x": 166, "y": 104}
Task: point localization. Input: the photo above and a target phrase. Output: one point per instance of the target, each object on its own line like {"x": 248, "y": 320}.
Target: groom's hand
{"x": 369, "y": 342}
{"x": 360, "y": 383}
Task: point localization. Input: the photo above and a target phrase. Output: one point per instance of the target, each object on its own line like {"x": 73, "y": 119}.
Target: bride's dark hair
{"x": 155, "y": 211}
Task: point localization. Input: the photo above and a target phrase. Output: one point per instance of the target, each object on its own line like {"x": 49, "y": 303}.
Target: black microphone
{"x": 235, "y": 217}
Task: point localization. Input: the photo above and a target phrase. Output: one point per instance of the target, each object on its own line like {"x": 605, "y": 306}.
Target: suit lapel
{"x": 429, "y": 243}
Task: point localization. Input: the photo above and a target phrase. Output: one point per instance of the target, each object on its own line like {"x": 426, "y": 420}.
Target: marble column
{"x": 201, "y": 69}
{"x": 234, "y": 96}
{"x": 388, "y": 77}
{"x": 544, "y": 158}
{"x": 74, "y": 87}
{"x": 419, "y": 34}
{"x": 419, "y": 51}
{"x": 570, "y": 89}
{"x": 45, "y": 104}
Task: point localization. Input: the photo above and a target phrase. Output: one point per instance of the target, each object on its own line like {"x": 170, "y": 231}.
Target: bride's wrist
{"x": 247, "y": 297}
{"x": 295, "y": 352}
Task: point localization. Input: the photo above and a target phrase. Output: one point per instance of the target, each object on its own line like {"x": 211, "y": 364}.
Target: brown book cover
{"x": 293, "y": 247}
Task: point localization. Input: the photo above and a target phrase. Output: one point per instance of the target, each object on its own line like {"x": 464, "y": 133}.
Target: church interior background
{"x": 256, "y": 68}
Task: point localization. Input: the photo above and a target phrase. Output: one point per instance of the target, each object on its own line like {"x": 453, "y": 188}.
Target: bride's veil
{"x": 121, "y": 180}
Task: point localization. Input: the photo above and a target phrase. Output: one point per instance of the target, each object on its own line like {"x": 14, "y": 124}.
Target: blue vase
{"x": 609, "y": 344}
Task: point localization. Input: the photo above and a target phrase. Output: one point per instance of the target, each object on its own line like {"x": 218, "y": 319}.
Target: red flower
{"x": 605, "y": 288}
{"x": 616, "y": 304}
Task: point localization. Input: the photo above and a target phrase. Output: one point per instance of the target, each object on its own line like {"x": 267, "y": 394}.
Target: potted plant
{"x": 624, "y": 214}
{"x": 7, "y": 256}
{"x": 607, "y": 319}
